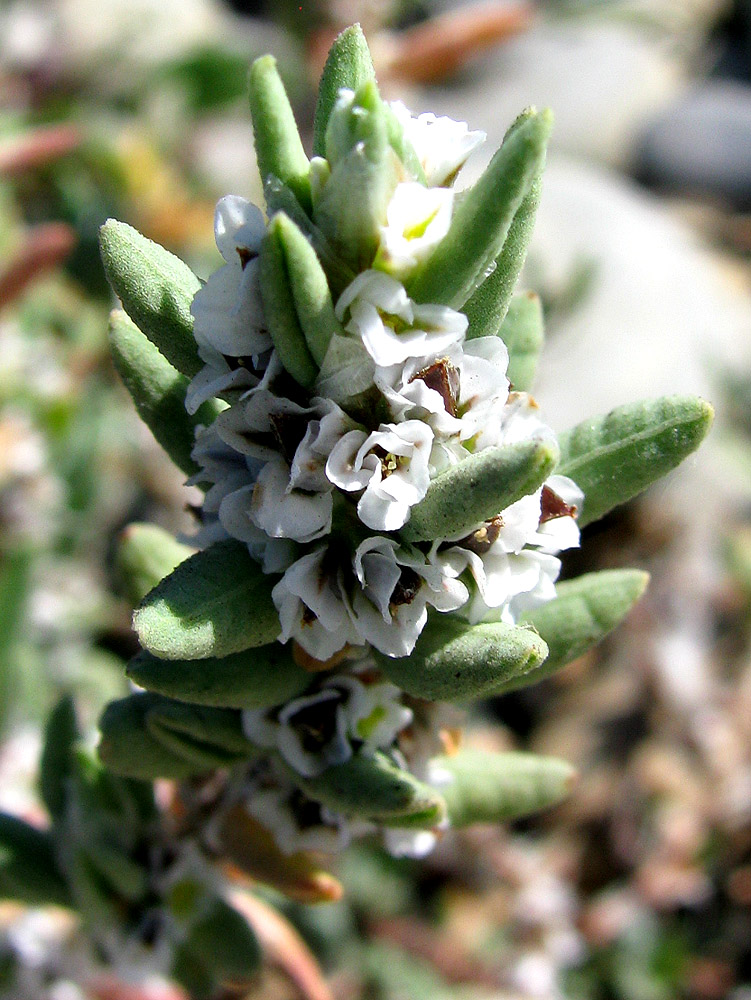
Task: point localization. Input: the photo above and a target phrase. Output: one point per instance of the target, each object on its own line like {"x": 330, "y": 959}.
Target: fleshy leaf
{"x": 158, "y": 391}
{"x": 454, "y": 661}
{"x": 309, "y": 287}
{"x": 251, "y": 679}
{"x": 370, "y": 786}
{"x": 584, "y": 611}
{"x": 614, "y": 457}
{"x": 57, "y": 762}
{"x": 497, "y": 787}
{"x": 365, "y": 171}
{"x": 280, "y": 312}
{"x": 483, "y": 217}
{"x": 279, "y": 198}
{"x": 487, "y": 306}
{"x": 279, "y": 150}
{"x": 522, "y": 331}
{"x": 478, "y": 488}
{"x": 128, "y": 748}
{"x": 156, "y": 290}
{"x": 28, "y": 869}
{"x": 208, "y": 730}
{"x": 146, "y": 554}
{"x": 216, "y": 602}
{"x": 348, "y": 65}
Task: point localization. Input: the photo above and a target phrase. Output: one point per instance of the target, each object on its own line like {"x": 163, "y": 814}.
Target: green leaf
{"x": 28, "y": 869}
{"x": 309, "y": 287}
{"x": 522, "y": 332}
{"x": 158, "y": 391}
{"x": 348, "y": 65}
{"x": 279, "y": 198}
{"x": 222, "y": 940}
{"x": 216, "y": 602}
{"x": 128, "y": 878}
{"x": 128, "y": 748}
{"x": 365, "y": 171}
{"x": 146, "y": 554}
{"x": 369, "y": 785}
{"x": 497, "y": 787}
{"x": 612, "y": 458}
{"x": 483, "y": 218}
{"x": 489, "y": 304}
{"x": 58, "y": 761}
{"x": 584, "y": 611}
{"x": 279, "y": 150}
{"x": 455, "y": 661}
{"x": 254, "y": 678}
{"x": 91, "y": 893}
{"x": 478, "y": 488}
{"x": 212, "y": 729}
{"x": 279, "y": 309}
{"x": 156, "y": 290}
{"x": 15, "y": 588}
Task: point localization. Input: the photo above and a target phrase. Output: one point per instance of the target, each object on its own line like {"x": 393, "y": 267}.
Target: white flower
{"x": 311, "y": 608}
{"x": 390, "y": 465}
{"x": 319, "y": 730}
{"x": 442, "y": 144}
{"x": 461, "y": 392}
{"x": 392, "y": 327}
{"x": 229, "y": 326}
{"x": 284, "y": 512}
{"x": 396, "y": 586}
{"x": 297, "y": 822}
{"x": 561, "y": 501}
{"x": 417, "y": 219}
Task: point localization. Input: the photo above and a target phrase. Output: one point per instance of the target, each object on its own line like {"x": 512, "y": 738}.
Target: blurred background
{"x": 639, "y": 887}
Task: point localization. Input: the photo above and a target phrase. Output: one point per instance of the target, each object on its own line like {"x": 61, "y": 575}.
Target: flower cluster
{"x": 319, "y": 483}
{"x": 320, "y": 479}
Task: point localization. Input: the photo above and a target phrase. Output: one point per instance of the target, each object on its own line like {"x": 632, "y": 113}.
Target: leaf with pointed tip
{"x": 498, "y": 787}
{"x": 478, "y": 488}
{"x": 309, "y": 287}
{"x": 216, "y": 602}
{"x": 156, "y": 290}
{"x": 348, "y": 65}
{"x": 158, "y": 391}
{"x": 583, "y": 612}
{"x": 128, "y": 748}
{"x": 369, "y": 785}
{"x": 57, "y": 762}
{"x": 256, "y": 678}
{"x": 455, "y": 661}
{"x": 482, "y": 219}
{"x": 279, "y": 309}
{"x": 614, "y": 457}
{"x": 279, "y": 149}
{"x": 28, "y": 868}
{"x": 488, "y": 306}
{"x": 146, "y": 554}
{"x": 522, "y": 331}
